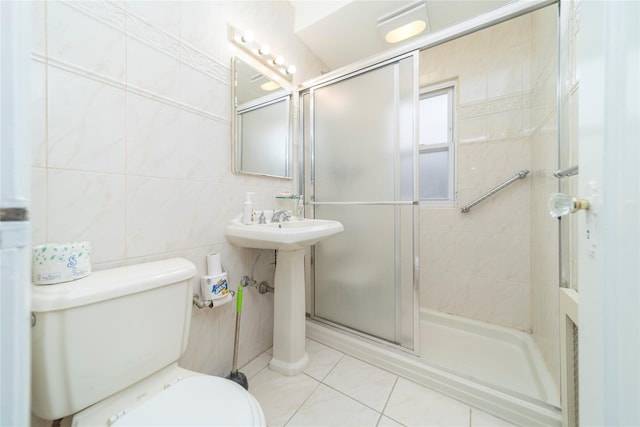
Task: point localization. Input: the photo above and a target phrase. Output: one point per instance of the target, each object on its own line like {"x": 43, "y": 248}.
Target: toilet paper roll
{"x": 60, "y": 262}
{"x": 214, "y": 267}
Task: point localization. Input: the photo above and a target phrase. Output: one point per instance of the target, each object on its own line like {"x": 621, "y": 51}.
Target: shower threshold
{"x": 463, "y": 360}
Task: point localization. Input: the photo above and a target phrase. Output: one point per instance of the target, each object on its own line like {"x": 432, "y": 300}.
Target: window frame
{"x": 448, "y": 88}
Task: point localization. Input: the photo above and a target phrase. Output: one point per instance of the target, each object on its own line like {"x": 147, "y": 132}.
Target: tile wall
{"x": 477, "y": 264}
{"x": 131, "y": 144}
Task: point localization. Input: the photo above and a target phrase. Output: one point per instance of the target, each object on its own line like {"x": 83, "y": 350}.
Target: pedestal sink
{"x": 290, "y": 238}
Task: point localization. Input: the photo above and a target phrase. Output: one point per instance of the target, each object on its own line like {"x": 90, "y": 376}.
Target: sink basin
{"x": 297, "y": 233}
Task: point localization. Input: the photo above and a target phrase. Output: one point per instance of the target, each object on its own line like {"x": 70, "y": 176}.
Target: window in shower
{"x": 437, "y": 144}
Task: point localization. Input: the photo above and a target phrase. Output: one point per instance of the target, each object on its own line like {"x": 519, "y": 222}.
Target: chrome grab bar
{"x": 561, "y": 173}
{"x": 519, "y": 175}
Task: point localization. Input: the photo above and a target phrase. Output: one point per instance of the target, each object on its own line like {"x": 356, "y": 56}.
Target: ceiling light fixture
{"x": 404, "y": 23}
{"x": 269, "y": 86}
{"x": 262, "y": 52}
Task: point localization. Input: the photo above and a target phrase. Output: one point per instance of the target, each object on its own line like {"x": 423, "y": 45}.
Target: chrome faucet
{"x": 278, "y": 214}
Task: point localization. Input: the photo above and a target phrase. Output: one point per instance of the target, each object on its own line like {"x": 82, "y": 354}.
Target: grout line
{"x": 305, "y": 401}
{"x": 333, "y": 367}
{"x": 351, "y": 397}
{"x": 390, "y": 393}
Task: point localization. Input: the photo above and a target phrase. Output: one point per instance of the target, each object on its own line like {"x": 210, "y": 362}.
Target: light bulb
{"x": 279, "y": 60}
{"x": 292, "y": 69}
{"x": 264, "y": 49}
{"x": 247, "y": 37}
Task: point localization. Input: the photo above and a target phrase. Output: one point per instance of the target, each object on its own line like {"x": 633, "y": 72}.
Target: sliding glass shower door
{"x": 361, "y": 136}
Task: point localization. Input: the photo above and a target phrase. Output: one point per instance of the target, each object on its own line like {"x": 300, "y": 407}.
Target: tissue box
{"x": 57, "y": 263}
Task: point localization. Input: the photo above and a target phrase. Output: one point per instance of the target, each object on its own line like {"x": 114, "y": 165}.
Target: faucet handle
{"x": 262, "y": 219}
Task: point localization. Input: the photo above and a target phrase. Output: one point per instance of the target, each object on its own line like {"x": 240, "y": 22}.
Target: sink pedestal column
{"x": 289, "y": 355}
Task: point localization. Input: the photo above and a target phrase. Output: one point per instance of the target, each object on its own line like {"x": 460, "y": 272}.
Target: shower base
{"x": 488, "y": 353}
{"x": 497, "y": 370}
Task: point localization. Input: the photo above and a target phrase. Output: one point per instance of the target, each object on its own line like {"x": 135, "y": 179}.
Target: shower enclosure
{"x": 463, "y": 302}
{"x": 362, "y": 133}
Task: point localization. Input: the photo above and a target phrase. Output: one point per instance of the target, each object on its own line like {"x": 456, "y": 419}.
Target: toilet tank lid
{"x": 107, "y": 284}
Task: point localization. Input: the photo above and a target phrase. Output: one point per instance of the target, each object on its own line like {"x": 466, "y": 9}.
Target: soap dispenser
{"x": 248, "y": 209}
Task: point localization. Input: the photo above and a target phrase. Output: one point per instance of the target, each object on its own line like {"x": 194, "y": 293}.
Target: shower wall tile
{"x": 478, "y": 264}
{"x": 505, "y": 125}
{"x": 501, "y": 301}
{"x": 86, "y": 126}
{"x": 473, "y": 83}
{"x": 505, "y": 72}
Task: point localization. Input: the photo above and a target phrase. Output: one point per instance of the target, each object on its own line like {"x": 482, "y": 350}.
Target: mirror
{"x": 262, "y": 122}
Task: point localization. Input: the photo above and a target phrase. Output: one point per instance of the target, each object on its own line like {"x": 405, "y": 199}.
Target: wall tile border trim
{"x": 495, "y": 105}
{"x": 82, "y": 72}
{"x": 121, "y": 18}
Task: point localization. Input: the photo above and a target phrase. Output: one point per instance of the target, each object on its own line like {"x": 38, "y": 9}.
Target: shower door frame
{"x": 415, "y": 214}
{"x": 505, "y": 404}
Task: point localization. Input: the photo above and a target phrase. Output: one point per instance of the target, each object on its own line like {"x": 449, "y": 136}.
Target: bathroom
{"x": 131, "y": 128}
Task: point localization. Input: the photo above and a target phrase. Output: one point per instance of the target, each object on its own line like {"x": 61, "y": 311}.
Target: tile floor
{"x": 338, "y": 390}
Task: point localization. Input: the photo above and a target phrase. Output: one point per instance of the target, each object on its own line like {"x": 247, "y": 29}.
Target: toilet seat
{"x": 202, "y": 401}
{"x": 196, "y": 399}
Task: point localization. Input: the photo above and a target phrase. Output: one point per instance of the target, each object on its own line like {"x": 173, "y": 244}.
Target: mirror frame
{"x": 236, "y": 143}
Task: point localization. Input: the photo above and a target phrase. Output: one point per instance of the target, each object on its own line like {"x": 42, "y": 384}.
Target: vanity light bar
{"x": 262, "y": 52}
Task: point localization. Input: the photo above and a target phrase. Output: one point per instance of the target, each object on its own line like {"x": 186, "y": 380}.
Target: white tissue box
{"x": 57, "y": 263}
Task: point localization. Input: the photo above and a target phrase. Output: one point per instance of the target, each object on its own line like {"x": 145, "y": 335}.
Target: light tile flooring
{"x": 338, "y": 390}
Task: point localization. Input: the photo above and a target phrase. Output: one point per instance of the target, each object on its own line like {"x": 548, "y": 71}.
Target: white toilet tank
{"x": 98, "y": 335}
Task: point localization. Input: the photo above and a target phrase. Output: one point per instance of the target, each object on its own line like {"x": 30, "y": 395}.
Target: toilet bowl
{"x": 105, "y": 349}
{"x": 176, "y": 397}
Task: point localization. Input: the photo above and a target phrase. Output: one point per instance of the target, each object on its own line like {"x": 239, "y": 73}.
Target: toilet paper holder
{"x": 200, "y": 303}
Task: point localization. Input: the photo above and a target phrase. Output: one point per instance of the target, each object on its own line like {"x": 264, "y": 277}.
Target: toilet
{"x": 105, "y": 349}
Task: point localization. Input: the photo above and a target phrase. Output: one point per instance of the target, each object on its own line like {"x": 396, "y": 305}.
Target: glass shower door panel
{"x": 357, "y": 285}
{"x": 364, "y": 153}
{"x": 355, "y": 136}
